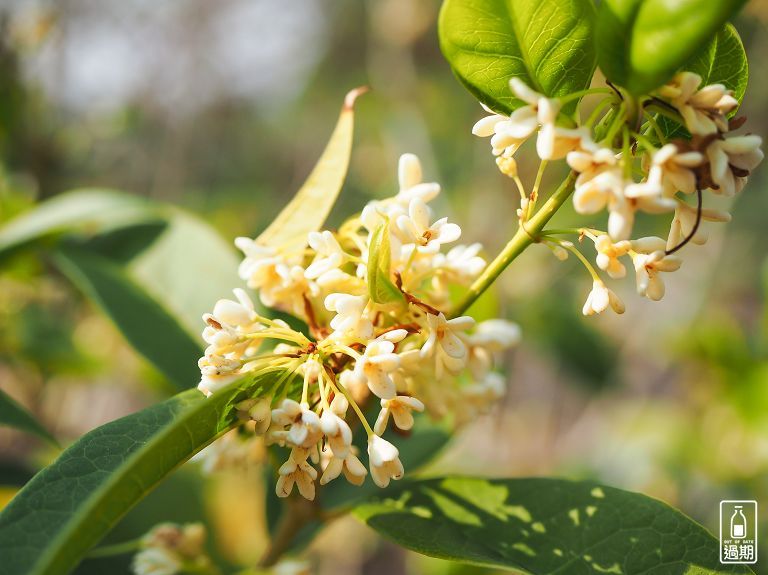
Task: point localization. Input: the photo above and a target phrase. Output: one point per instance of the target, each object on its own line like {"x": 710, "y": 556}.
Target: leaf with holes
{"x": 546, "y": 43}
{"x": 544, "y": 526}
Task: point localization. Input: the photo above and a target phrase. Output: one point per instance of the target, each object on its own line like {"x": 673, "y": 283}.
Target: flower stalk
{"x": 527, "y": 234}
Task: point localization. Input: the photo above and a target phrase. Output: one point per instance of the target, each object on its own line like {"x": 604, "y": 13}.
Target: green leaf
{"x": 87, "y": 210}
{"x": 69, "y": 506}
{"x": 546, "y": 43}
{"x": 144, "y": 322}
{"x": 723, "y": 61}
{"x": 544, "y": 526}
{"x": 311, "y": 205}
{"x": 144, "y": 270}
{"x": 187, "y": 268}
{"x": 380, "y": 287}
{"x": 14, "y": 415}
{"x": 642, "y": 43}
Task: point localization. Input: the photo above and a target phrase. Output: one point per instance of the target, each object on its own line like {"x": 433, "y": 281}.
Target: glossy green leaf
{"x": 144, "y": 322}
{"x": 724, "y": 61}
{"x": 88, "y": 210}
{"x": 70, "y": 505}
{"x": 544, "y": 526}
{"x": 642, "y": 43}
{"x": 546, "y": 43}
{"x": 14, "y": 415}
{"x": 310, "y": 207}
{"x": 380, "y": 287}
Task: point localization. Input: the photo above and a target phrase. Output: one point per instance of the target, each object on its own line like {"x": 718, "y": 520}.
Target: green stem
{"x": 668, "y": 112}
{"x": 524, "y": 237}
{"x": 116, "y": 549}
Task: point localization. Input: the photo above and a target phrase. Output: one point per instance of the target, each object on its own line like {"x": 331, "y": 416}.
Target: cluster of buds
{"x": 401, "y": 356}
{"x": 170, "y": 548}
{"x": 624, "y": 162}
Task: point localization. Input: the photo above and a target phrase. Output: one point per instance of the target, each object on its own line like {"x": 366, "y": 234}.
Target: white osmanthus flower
{"x": 495, "y": 335}
{"x": 540, "y": 113}
{"x": 704, "y": 110}
{"x": 337, "y": 432}
{"x": 684, "y": 221}
{"x": 606, "y": 190}
{"x": 351, "y": 315}
{"x": 460, "y": 264}
{"x": 591, "y": 162}
{"x": 444, "y": 344}
{"x": 555, "y": 142}
{"x": 234, "y": 450}
{"x": 299, "y": 473}
{"x": 731, "y": 160}
{"x": 608, "y": 254}
{"x": 477, "y": 398}
{"x": 400, "y": 408}
{"x": 304, "y": 429}
{"x": 279, "y": 278}
{"x": 673, "y": 170}
{"x": 600, "y": 298}
{"x": 292, "y": 567}
{"x": 411, "y": 180}
{"x": 168, "y": 549}
{"x": 650, "y": 259}
{"x": 415, "y": 228}
{"x": 156, "y": 561}
{"x": 329, "y": 255}
{"x": 384, "y": 460}
{"x": 350, "y": 465}
{"x": 226, "y": 332}
{"x": 601, "y": 185}
{"x": 377, "y": 364}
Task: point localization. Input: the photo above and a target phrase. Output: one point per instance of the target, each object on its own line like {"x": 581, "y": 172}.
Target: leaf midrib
{"x": 53, "y": 557}
{"x": 525, "y": 57}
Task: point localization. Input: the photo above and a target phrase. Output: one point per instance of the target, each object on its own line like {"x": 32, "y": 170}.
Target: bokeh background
{"x": 222, "y": 108}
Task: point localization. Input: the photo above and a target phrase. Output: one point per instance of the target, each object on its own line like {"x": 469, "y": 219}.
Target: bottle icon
{"x": 738, "y": 523}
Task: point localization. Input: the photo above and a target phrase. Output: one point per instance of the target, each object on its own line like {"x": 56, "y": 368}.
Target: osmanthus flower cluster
{"x": 169, "y": 548}
{"x": 375, "y": 295}
{"x": 625, "y": 164}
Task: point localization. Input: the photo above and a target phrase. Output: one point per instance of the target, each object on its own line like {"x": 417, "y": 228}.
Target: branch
{"x": 525, "y": 236}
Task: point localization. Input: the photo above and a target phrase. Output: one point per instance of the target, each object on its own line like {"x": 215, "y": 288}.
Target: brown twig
{"x": 298, "y": 513}
{"x": 412, "y": 299}
{"x": 695, "y": 228}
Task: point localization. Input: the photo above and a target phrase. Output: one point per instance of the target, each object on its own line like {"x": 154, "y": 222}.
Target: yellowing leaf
{"x": 309, "y": 209}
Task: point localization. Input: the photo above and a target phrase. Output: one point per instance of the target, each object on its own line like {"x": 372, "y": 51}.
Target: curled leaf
{"x": 310, "y": 207}
{"x": 380, "y": 287}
